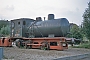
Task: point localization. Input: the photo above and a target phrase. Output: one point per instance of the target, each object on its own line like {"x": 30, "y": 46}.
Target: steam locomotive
{"x": 26, "y": 27}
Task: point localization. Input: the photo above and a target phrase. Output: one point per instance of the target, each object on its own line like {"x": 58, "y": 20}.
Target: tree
{"x": 75, "y": 31}
{"x": 4, "y": 27}
{"x": 86, "y": 22}
{"x": 5, "y": 30}
{"x": 3, "y": 23}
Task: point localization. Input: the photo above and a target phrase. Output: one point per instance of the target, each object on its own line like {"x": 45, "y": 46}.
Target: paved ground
{"x": 36, "y": 54}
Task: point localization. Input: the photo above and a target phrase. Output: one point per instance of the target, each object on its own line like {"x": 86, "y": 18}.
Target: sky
{"x": 70, "y": 9}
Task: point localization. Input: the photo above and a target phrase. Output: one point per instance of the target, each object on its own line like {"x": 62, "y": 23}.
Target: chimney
{"x": 44, "y": 18}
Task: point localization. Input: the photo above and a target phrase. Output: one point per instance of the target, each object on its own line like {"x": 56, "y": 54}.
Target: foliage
{"x": 84, "y": 45}
{"x": 86, "y": 22}
{"x": 3, "y": 23}
{"x": 75, "y": 32}
{"x": 4, "y": 27}
{"x": 5, "y": 30}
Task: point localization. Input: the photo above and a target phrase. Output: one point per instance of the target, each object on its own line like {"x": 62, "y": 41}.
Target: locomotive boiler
{"x": 51, "y": 27}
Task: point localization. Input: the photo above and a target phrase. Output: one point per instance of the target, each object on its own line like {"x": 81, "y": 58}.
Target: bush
{"x": 84, "y": 45}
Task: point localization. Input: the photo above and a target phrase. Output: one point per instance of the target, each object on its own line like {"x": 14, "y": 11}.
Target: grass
{"x": 83, "y": 45}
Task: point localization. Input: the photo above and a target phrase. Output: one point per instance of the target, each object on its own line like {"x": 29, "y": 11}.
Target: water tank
{"x": 50, "y": 16}
{"x": 55, "y": 27}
